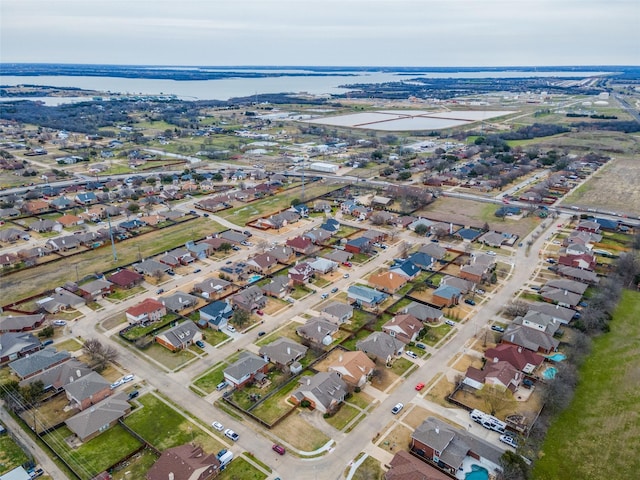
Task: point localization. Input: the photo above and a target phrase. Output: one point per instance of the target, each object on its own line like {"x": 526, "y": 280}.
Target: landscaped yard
{"x": 239, "y": 468}
{"x": 171, "y": 360}
{"x": 598, "y": 436}
{"x": 11, "y": 455}
{"x": 343, "y": 417}
{"x": 164, "y": 427}
{"x": 213, "y": 377}
{"x": 94, "y": 456}
{"x": 122, "y": 293}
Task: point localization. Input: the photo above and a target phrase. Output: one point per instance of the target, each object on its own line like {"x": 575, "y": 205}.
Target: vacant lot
{"x": 475, "y": 214}
{"x": 600, "y": 433}
{"x": 300, "y": 434}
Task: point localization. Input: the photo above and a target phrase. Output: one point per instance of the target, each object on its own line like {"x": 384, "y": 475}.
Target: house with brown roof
{"x": 262, "y": 263}
{"x": 387, "y": 282}
{"x": 318, "y": 331}
{"x": 499, "y": 374}
{"x": 403, "y": 327}
{"x": 249, "y": 299}
{"x": 99, "y": 418}
{"x": 126, "y": 278}
{"x": 147, "y": 310}
{"x": 212, "y": 287}
{"x": 355, "y": 368}
{"x": 404, "y": 466}
{"x": 475, "y": 273}
{"x": 34, "y": 207}
{"x": 283, "y": 254}
{"x": 283, "y": 352}
{"x": 585, "y": 261}
{"x": 185, "y": 462}
{"x": 301, "y": 245}
{"x": 520, "y": 358}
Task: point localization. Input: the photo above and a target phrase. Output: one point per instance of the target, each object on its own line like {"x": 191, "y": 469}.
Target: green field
{"x": 11, "y": 455}
{"x": 598, "y": 436}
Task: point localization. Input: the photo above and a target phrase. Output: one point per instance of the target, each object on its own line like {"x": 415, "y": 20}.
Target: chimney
{"x": 319, "y": 328}
{"x": 340, "y": 358}
{"x": 308, "y": 380}
{"x": 288, "y": 350}
{"x": 519, "y": 349}
{"x": 438, "y": 430}
{"x": 512, "y": 336}
{"x": 566, "y": 292}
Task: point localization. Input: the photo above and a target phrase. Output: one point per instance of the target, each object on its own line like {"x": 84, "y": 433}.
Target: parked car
{"x": 235, "y": 248}
{"x": 527, "y": 383}
{"x": 133, "y": 394}
{"x": 197, "y": 270}
{"x": 491, "y": 252}
{"x": 200, "y": 343}
{"x": 346, "y": 275}
{"x": 396, "y": 409}
{"x": 231, "y": 434}
{"x": 419, "y": 386}
{"x": 497, "y": 328}
{"x": 159, "y": 291}
{"x": 127, "y": 378}
{"x": 217, "y": 426}
{"x": 334, "y": 289}
{"x": 450, "y": 323}
{"x": 509, "y": 440}
{"x": 259, "y": 312}
{"x": 116, "y": 384}
{"x": 347, "y": 264}
{"x": 421, "y": 346}
{"x": 231, "y": 328}
{"x": 222, "y": 385}
{"x": 278, "y": 449}
{"x": 324, "y": 295}
{"x": 59, "y": 323}
{"x": 247, "y": 233}
{"x": 469, "y": 301}
{"x": 261, "y": 333}
{"x": 411, "y": 354}
{"x": 479, "y": 291}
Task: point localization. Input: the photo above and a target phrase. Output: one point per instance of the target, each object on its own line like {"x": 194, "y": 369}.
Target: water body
{"x": 227, "y": 88}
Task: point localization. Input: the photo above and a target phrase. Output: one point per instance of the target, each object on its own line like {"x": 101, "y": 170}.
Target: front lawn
{"x": 342, "y": 417}
{"x": 211, "y": 379}
{"x": 94, "y": 456}
{"x": 434, "y": 334}
{"x": 598, "y": 436}
{"x": 171, "y": 360}
{"x": 239, "y": 468}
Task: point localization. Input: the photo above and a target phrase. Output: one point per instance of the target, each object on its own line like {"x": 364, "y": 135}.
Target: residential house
{"x": 560, "y": 314}
{"x": 338, "y": 313}
{"x": 530, "y": 338}
{"x": 325, "y": 391}
{"x": 69, "y": 220}
{"x": 179, "y": 301}
{"x": 570, "y": 285}
{"x": 404, "y": 221}
{"x": 375, "y": 236}
{"x": 95, "y": 289}
{"x": 475, "y": 273}
{"x": 86, "y": 198}
{"x": 9, "y": 260}
{"x": 283, "y": 255}
{"x": 177, "y": 257}
{"x": 340, "y": 256}
{"x": 216, "y": 314}
{"x": 358, "y": 245}
{"x": 404, "y": 466}
{"x": 446, "y": 296}
{"x": 60, "y": 299}
{"x": 422, "y": 260}
{"x": 387, "y": 282}
{"x": 300, "y": 274}
{"x": 212, "y": 287}
{"x": 381, "y": 346}
{"x": 126, "y": 279}
{"x": 404, "y": 327}
{"x": 246, "y": 369}
{"x": 433, "y": 250}
{"x": 149, "y": 310}
{"x": 42, "y": 226}
{"x": 20, "y": 323}
{"x": 262, "y": 263}
{"x": 38, "y": 362}
{"x": 236, "y": 272}
{"x": 574, "y": 249}
{"x": 318, "y": 236}
{"x": 87, "y": 391}
{"x": 58, "y": 376}
{"x": 151, "y": 268}
{"x": 14, "y": 345}
{"x": 323, "y": 266}
{"x": 467, "y": 234}
{"x": 278, "y": 287}
{"x": 586, "y": 261}
{"x": 214, "y": 243}
{"x": 578, "y": 274}
{"x": 184, "y": 462}
{"x": 62, "y": 244}
{"x": 424, "y": 313}
{"x": 406, "y": 268}
{"x": 500, "y": 374}
{"x": 35, "y": 207}
{"x": 233, "y": 237}
{"x": 465, "y": 286}
{"x": 12, "y": 235}
{"x": 283, "y": 352}
{"x": 99, "y": 418}
{"x": 365, "y": 296}
{"x": 179, "y": 337}
{"x": 199, "y": 251}
{"x": 448, "y": 447}
{"x": 419, "y": 222}
{"x": 249, "y": 299}
{"x": 30, "y": 255}
{"x": 520, "y": 358}
{"x": 538, "y": 321}
{"x": 588, "y": 226}
{"x": 355, "y": 368}
{"x": 318, "y": 331}
{"x": 560, "y": 296}
{"x": 301, "y": 245}
{"x": 493, "y": 239}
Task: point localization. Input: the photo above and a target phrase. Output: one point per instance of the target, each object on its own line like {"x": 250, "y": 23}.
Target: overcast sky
{"x": 322, "y": 32}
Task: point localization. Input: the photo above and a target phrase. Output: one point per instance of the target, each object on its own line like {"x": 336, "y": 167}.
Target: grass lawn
{"x": 97, "y": 454}
{"x": 215, "y": 337}
{"x": 370, "y": 469}
{"x": 276, "y": 406}
{"x": 124, "y": 293}
{"x": 171, "y": 360}
{"x": 239, "y": 468}
{"x": 360, "y": 399}
{"x": 286, "y": 331}
{"x": 396, "y": 307}
{"x": 209, "y": 380}
{"x": 164, "y": 427}
{"x": 435, "y": 334}
{"x": 137, "y": 466}
{"x": 11, "y": 455}
{"x": 300, "y": 291}
{"x": 343, "y": 417}
{"x": 600, "y": 432}
{"x": 71, "y": 345}
{"x": 401, "y": 365}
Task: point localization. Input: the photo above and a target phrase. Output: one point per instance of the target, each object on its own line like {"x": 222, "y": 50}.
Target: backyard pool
{"x": 549, "y": 373}
{"x": 557, "y": 357}
{"x": 254, "y": 278}
{"x": 477, "y": 473}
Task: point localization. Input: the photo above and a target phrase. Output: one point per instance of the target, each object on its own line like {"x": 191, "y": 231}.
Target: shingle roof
{"x": 37, "y": 361}
{"x": 102, "y": 413}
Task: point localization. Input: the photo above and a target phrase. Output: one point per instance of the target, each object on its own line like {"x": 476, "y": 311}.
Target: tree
{"x": 517, "y": 308}
{"x": 377, "y": 218}
{"x": 513, "y": 467}
{"x": 240, "y": 317}
{"x": 225, "y": 247}
{"x": 133, "y": 208}
{"x": 421, "y": 229}
{"x": 46, "y": 332}
{"x": 99, "y": 354}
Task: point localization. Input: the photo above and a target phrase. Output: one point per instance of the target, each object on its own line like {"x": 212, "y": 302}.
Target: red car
{"x": 419, "y": 386}
{"x": 347, "y": 264}
{"x": 278, "y": 449}
{"x": 260, "y": 312}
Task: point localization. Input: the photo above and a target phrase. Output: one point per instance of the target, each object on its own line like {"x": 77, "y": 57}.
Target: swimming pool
{"x": 254, "y": 278}
{"x": 477, "y": 473}
{"x": 557, "y": 357}
{"x": 550, "y": 373}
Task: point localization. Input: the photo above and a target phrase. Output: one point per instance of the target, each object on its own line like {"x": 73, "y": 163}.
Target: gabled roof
{"x": 20, "y": 322}
{"x": 447, "y": 291}
{"x": 125, "y": 277}
{"x": 14, "y": 343}
{"x": 387, "y": 281}
{"x": 317, "y": 329}
{"x": 184, "y": 462}
{"x": 86, "y": 386}
{"x": 180, "y": 334}
{"x": 421, "y": 259}
{"x": 352, "y": 366}
{"x": 338, "y": 309}
{"x": 407, "y": 268}
{"x": 434, "y": 250}
{"x": 61, "y": 374}
{"x": 248, "y": 363}
{"x": 405, "y": 466}
{"x": 325, "y": 387}
{"x": 283, "y": 351}
{"x": 380, "y": 344}
{"x": 422, "y": 312}
{"x": 570, "y": 285}
{"x": 359, "y": 242}
{"x": 517, "y": 356}
{"x": 41, "y": 360}
{"x": 563, "y": 313}
{"x": 530, "y": 338}
{"x": 103, "y": 413}
{"x": 404, "y": 324}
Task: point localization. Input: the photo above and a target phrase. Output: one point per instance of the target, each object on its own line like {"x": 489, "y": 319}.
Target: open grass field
{"x": 25, "y": 282}
{"x": 11, "y": 455}
{"x": 475, "y": 214}
{"x": 598, "y": 436}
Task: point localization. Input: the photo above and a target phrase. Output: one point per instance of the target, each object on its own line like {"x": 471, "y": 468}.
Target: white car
{"x": 411, "y": 354}
{"x": 231, "y": 328}
{"x": 509, "y": 440}
{"x": 59, "y": 323}
{"x": 116, "y": 384}
{"x": 127, "y": 378}
{"x": 396, "y": 409}
{"x": 218, "y": 426}
{"x": 231, "y": 434}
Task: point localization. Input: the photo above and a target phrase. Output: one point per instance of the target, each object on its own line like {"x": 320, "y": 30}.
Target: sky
{"x": 321, "y": 32}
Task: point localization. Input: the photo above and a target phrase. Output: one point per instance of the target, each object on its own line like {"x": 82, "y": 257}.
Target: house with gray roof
{"x": 179, "y": 337}
{"x": 262, "y": 263}
{"x": 60, "y": 299}
{"x": 570, "y": 285}
{"x": 325, "y": 391}
{"x": 539, "y": 321}
{"x": 365, "y": 296}
{"x": 14, "y": 345}
{"x": 465, "y": 286}
{"x": 322, "y": 265}
{"x": 250, "y": 299}
{"x": 560, "y": 296}
{"x": 100, "y": 417}
{"x": 151, "y": 267}
{"x": 318, "y": 235}
{"x": 38, "y": 362}
{"x": 233, "y": 237}
{"x": 87, "y": 391}
{"x": 95, "y": 288}
{"x": 283, "y": 352}
{"x": 60, "y": 375}
{"x": 424, "y": 313}
{"x": 433, "y": 250}
{"x": 560, "y": 314}
{"x": 248, "y": 367}
{"x": 282, "y": 254}
{"x": 11, "y": 235}
{"x": 578, "y": 274}
{"x": 338, "y": 312}
{"x": 179, "y": 301}
{"x": 318, "y": 331}
{"x": 278, "y": 287}
{"x": 212, "y": 287}
{"x": 340, "y": 256}
{"x": 530, "y": 338}
{"x": 381, "y": 346}
{"x": 20, "y": 323}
